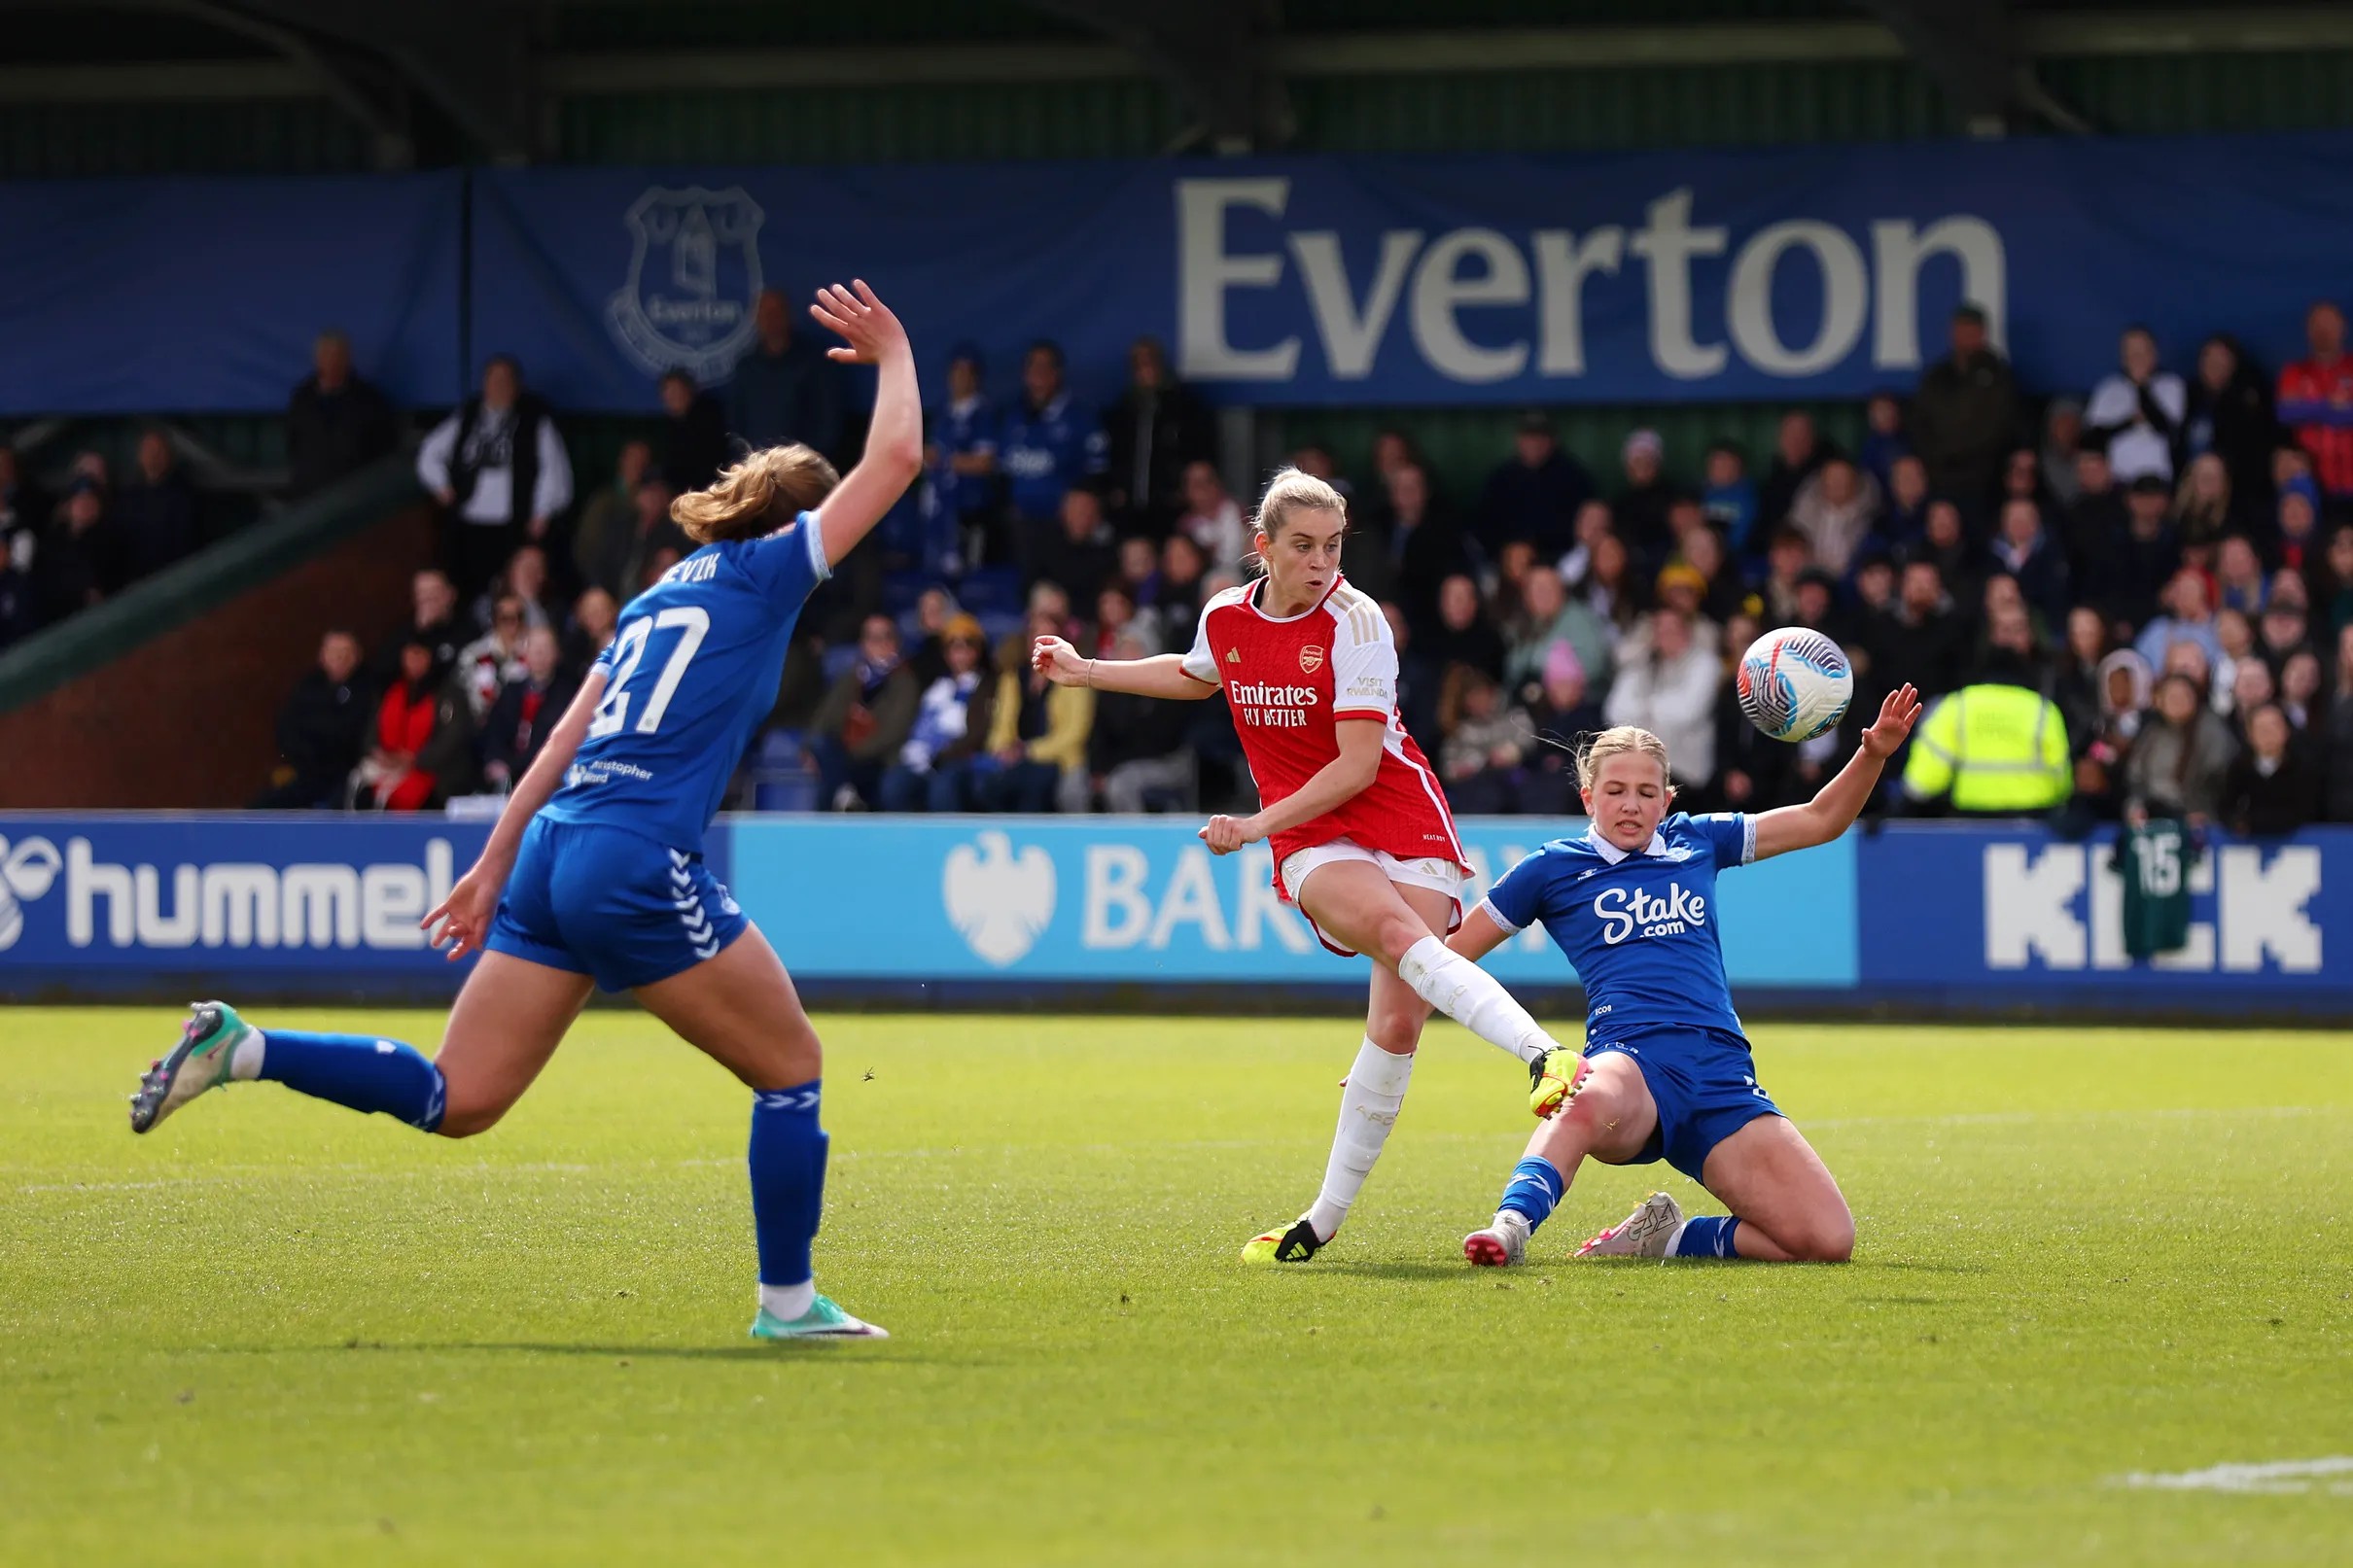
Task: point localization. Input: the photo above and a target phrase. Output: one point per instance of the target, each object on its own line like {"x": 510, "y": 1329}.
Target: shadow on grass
{"x": 1393, "y": 1269}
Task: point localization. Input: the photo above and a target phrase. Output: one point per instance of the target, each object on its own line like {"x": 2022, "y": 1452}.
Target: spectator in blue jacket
{"x": 785, "y": 388}
{"x": 1883, "y": 439}
{"x": 1730, "y": 501}
{"x": 1049, "y": 444}
{"x": 960, "y": 462}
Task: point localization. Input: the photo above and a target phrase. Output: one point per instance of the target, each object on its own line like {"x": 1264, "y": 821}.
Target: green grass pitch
{"x": 277, "y": 1332}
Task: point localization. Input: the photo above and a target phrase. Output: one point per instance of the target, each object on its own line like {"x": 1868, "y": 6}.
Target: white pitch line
{"x": 2278, "y": 1478}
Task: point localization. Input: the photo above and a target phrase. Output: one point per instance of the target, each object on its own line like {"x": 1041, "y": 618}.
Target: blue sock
{"x": 788, "y": 1180}
{"x": 1534, "y": 1188}
{"x": 1707, "y": 1236}
{"x": 358, "y": 1070}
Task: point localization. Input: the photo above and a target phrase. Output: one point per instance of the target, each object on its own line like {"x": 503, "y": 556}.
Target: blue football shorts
{"x": 1704, "y": 1082}
{"x": 604, "y": 902}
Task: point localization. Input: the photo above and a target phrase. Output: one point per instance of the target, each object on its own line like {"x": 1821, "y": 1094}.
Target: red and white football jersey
{"x": 1289, "y": 682}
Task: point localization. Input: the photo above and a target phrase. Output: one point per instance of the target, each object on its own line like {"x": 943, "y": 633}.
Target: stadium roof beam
{"x": 2035, "y": 35}
{"x": 1210, "y": 54}
{"x": 1973, "y": 50}
{"x": 1407, "y": 51}
{"x": 472, "y": 60}
{"x": 305, "y": 68}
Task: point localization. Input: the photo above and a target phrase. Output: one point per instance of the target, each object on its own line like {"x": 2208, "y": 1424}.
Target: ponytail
{"x": 757, "y": 496}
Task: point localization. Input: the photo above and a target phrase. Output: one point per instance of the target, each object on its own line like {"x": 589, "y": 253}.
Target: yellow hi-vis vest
{"x": 1991, "y": 748}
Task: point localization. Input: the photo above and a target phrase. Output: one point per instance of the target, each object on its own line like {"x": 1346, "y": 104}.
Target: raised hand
{"x": 860, "y": 318}
{"x": 1897, "y": 714}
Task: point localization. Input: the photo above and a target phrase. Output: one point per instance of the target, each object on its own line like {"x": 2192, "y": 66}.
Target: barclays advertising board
{"x": 1117, "y": 900}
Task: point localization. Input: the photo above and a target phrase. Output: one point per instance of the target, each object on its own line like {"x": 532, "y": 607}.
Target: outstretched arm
{"x": 1834, "y": 809}
{"x": 895, "y": 439}
{"x": 1163, "y": 674}
{"x": 463, "y": 920}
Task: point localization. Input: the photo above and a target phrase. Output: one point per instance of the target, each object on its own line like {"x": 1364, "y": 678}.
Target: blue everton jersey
{"x": 692, "y": 668}
{"x": 1044, "y": 451}
{"x": 1641, "y": 927}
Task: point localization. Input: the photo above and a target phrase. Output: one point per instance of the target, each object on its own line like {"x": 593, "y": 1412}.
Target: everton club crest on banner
{"x": 694, "y": 278}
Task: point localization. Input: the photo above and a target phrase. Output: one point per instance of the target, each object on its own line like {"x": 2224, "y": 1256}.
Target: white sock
{"x": 789, "y": 1302}
{"x": 1472, "y": 998}
{"x": 245, "y": 1056}
{"x": 1368, "y": 1110}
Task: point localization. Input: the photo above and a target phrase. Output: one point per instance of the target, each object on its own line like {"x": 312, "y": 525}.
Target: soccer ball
{"x": 1795, "y": 683}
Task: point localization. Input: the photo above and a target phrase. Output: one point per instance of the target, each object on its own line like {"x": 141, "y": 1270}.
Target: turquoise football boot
{"x": 821, "y": 1321}
{"x": 199, "y": 1063}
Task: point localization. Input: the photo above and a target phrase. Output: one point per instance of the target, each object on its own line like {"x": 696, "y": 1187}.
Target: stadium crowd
{"x": 2147, "y": 592}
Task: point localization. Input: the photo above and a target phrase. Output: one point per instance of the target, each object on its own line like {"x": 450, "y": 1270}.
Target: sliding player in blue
{"x": 594, "y": 874}
{"x": 1633, "y": 905}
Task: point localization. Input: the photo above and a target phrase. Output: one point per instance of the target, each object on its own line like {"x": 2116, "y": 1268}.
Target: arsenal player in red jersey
{"x": 1362, "y": 839}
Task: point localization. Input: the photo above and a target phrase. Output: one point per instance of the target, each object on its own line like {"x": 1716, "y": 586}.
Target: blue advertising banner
{"x": 95, "y": 900}
{"x": 140, "y": 296}
{"x": 2014, "y": 915}
{"x": 1108, "y": 899}
{"x": 1975, "y": 918}
{"x": 1301, "y": 281}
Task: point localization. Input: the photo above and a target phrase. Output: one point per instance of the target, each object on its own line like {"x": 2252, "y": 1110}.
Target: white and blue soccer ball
{"x": 1795, "y": 683}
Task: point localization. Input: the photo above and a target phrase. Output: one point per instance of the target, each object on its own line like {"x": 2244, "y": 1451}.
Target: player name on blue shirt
{"x": 693, "y": 668}
{"x": 1639, "y": 928}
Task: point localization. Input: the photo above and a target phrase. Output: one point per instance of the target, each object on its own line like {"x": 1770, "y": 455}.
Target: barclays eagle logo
{"x": 999, "y": 901}
{"x": 693, "y": 277}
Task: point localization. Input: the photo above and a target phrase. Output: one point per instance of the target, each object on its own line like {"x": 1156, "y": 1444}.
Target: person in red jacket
{"x": 2316, "y": 401}
{"x": 403, "y": 724}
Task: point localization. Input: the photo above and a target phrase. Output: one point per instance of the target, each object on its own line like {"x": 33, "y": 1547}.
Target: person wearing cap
{"x": 1965, "y": 415}
{"x": 1682, "y": 588}
{"x": 1640, "y": 508}
{"x": 1535, "y": 493}
{"x": 2145, "y": 556}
